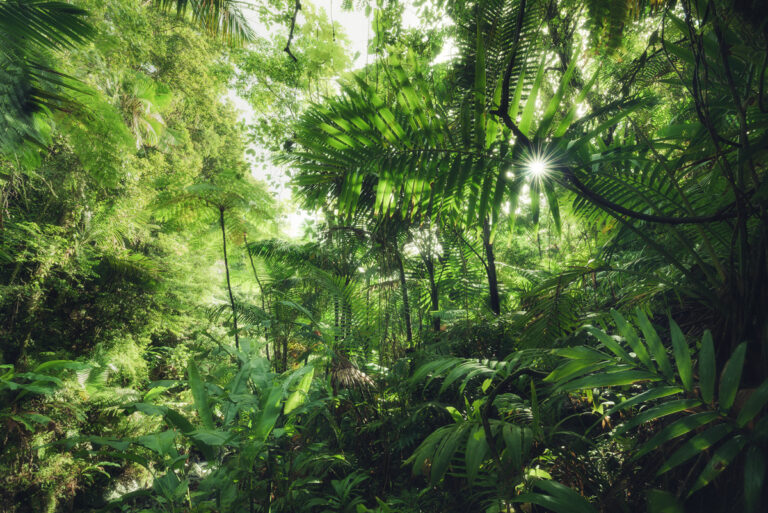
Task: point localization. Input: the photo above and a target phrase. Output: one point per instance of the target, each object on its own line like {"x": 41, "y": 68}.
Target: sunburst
{"x": 538, "y": 163}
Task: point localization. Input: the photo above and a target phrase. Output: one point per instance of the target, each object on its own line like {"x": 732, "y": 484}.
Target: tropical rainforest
{"x": 450, "y": 256}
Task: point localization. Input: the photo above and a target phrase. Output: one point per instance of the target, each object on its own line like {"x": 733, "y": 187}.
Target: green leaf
{"x": 299, "y": 395}
{"x": 445, "y": 451}
{"x": 199, "y": 395}
{"x": 476, "y": 453}
{"x": 60, "y": 364}
{"x": 695, "y": 446}
{"x": 662, "y": 410}
{"x": 554, "y": 207}
{"x": 608, "y": 379}
{"x": 558, "y": 498}
{"x": 530, "y": 104}
{"x": 660, "y": 501}
{"x": 648, "y": 395}
{"x": 455, "y": 414}
{"x": 213, "y": 437}
{"x": 554, "y": 102}
{"x": 580, "y": 353}
{"x": 731, "y": 377}
{"x": 575, "y": 368}
{"x": 535, "y": 192}
{"x": 154, "y": 392}
{"x": 610, "y": 343}
{"x": 518, "y": 441}
{"x": 514, "y": 105}
{"x": 682, "y": 355}
{"x": 480, "y": 86}
{"x": 162, "y": 443}
{"x": 270, "y": 411}
{"x": 632, "y": 339}
{"x": 657, "y": 349}
{"x": 568, "y": 119}
{"x": 722, "y": 457}
{"x": 754, "y": 479}
{"x": 707, "y": 368}
{"x": 753, "y": 404}
{"x": 674, "y": 430}
{"x": 177, "y": 420}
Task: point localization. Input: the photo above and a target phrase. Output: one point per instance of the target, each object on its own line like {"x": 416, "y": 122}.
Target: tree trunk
{"x": 433, "y": 294}
{"x": 261, "y": 288}
{"x": 490, "y": 269}
{"x": 406, "y": 304}
{"x": 229, "y": 283}
{"x": 336, "y": 318}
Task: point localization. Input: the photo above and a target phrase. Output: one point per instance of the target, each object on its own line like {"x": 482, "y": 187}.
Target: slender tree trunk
{"x": 276, "y": 352}
{"x": 347, "y": 319}
{"x": 490, "y": 268}
{"x": 433, "y": 294}
{"x": 336, "y": 318}
{"x": 229, "y": 283}
{"x": 406, "y": 303}
{"x": 261, "y": 288}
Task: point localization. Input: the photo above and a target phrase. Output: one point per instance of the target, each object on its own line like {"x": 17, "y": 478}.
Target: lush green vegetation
{"x": 533, "y": 275}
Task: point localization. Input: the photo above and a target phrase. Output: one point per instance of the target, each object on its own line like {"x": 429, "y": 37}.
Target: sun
{"x": 537, "y": 167}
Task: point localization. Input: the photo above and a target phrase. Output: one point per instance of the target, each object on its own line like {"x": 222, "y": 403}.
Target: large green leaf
{"x": 610, "y": 343}
{"x": 731, "y": 377}
{"x": 676, "y": 429}
{"x": 518, "y": 441}
{"x": 556, "y": 497}
{"x": 199, "y": 395}
{"x": 629, "y": 334}
{"x": 721, "y": 458}
{"x": 707, "y": 368}
{"x": 615, "y": 378}
{"x": 682, "y": 355}
{"x": 530, "y": 105}
{"x": 554, "y": 103}
{"x": 662, "y": 410}
{"x": 476, "y": 453}
{"x": 271, "y": 406}
{"x": 299, "y": 395}
{"x": 446, "y": 450}
{"x": 752, "y": 406}
{"x": 754, "y": 479}
{"x": 162, "y": 443}
{"x": 660, "y": 501}
{"x": 658, "y": 351}
{"x": 648, "y": 395}
{"x": 695, "y": 446}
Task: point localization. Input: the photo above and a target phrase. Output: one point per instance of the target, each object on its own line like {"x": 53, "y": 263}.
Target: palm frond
{"x": 220, "y": 18}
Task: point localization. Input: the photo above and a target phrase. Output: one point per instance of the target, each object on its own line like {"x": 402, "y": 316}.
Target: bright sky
{"x": 357, "y": 28}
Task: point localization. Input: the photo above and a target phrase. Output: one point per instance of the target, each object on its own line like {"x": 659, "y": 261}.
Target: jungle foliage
{"x": 533, "y": 275}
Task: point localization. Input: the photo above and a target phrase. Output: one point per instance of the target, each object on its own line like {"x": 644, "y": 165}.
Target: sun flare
{"x": 538, "y": 167}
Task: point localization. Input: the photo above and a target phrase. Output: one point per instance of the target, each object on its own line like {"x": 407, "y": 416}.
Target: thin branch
{"x": 287, "y": 49}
